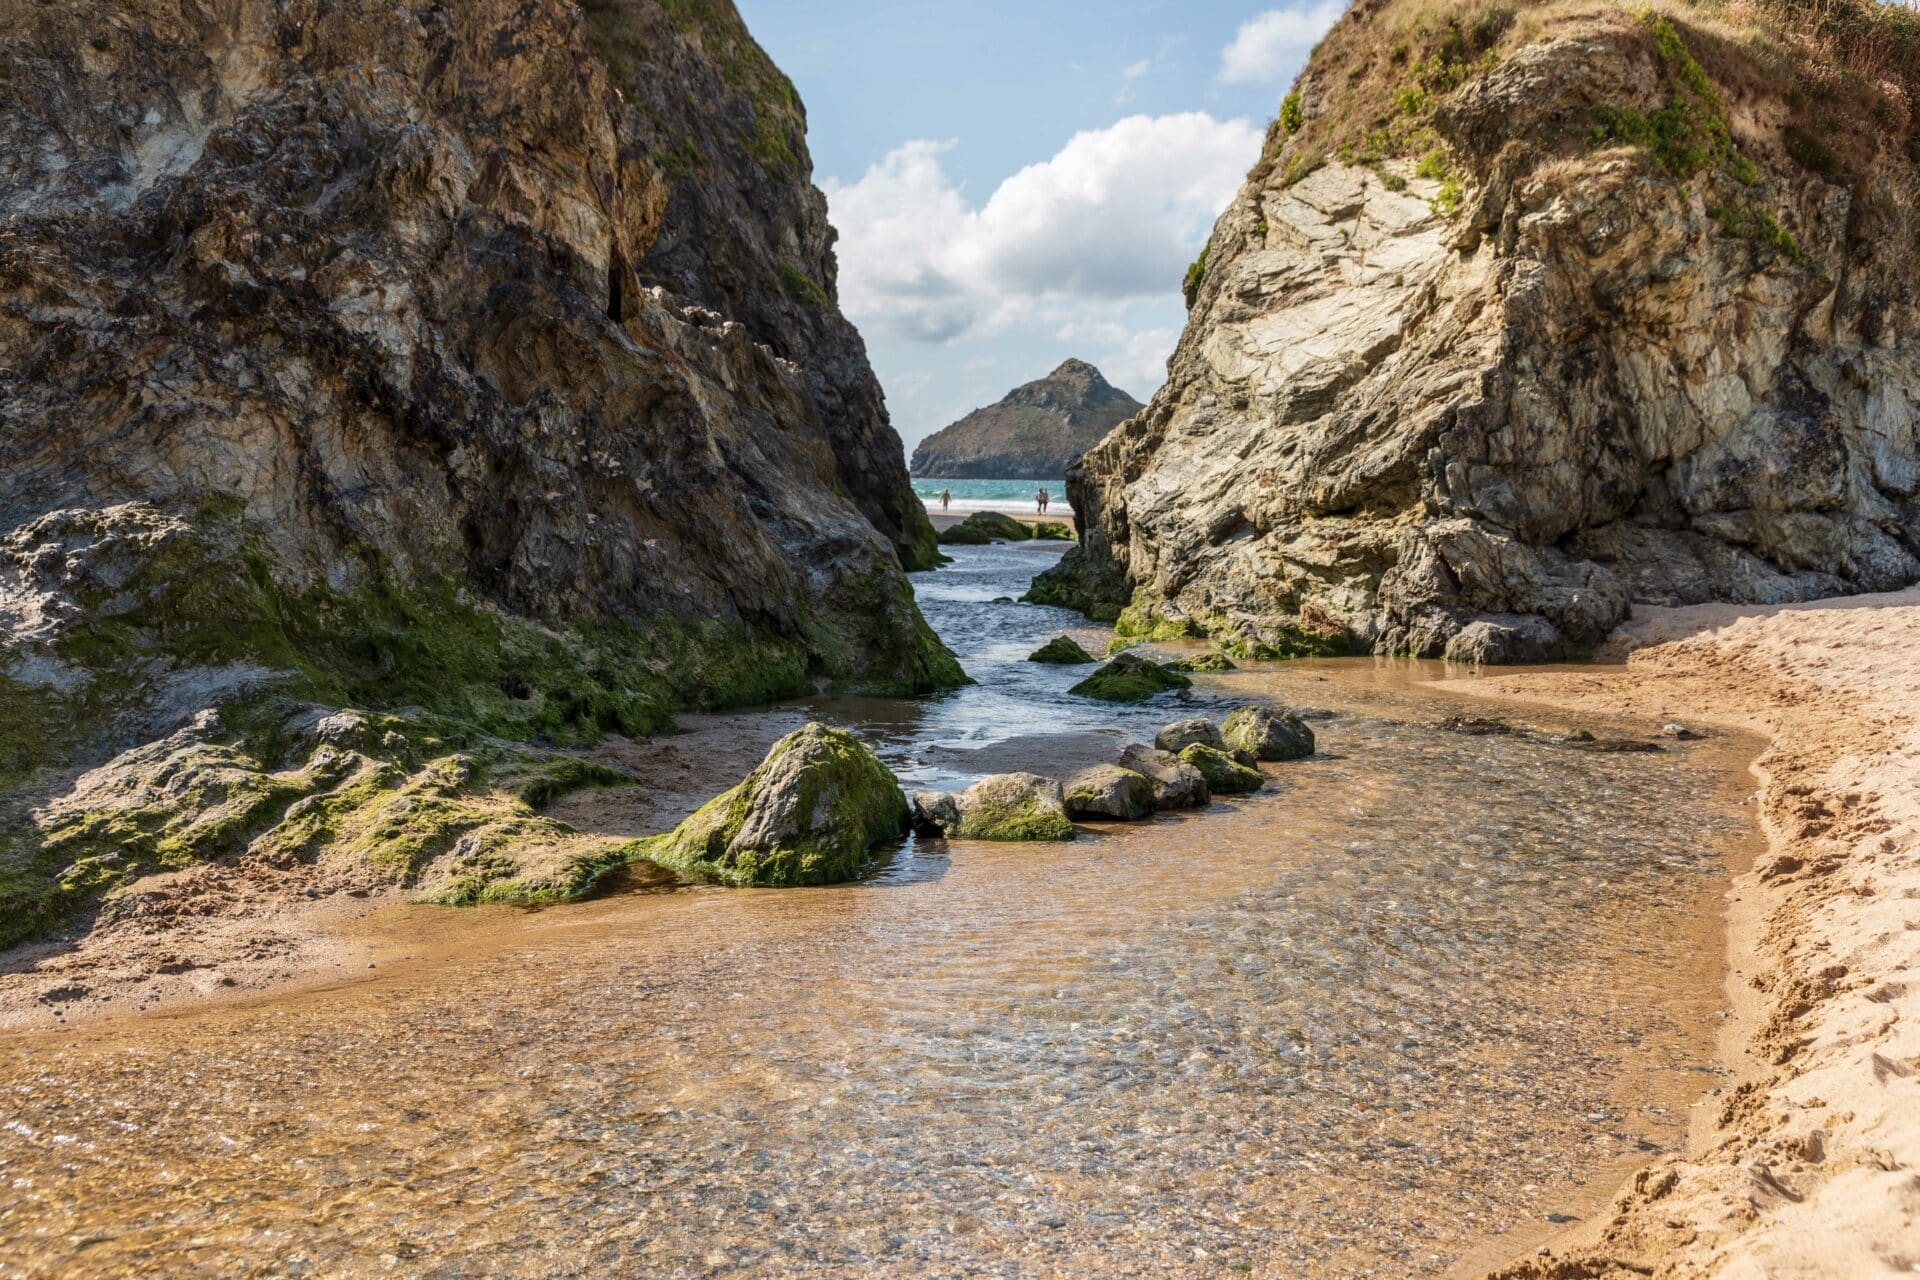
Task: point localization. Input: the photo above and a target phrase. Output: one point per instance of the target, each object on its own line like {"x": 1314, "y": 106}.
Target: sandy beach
{"x": 1059, "y": 513}
{"x": 1807, "y": 1168}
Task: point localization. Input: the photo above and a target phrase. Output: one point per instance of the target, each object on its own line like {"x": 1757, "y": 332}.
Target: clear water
{"x": 1393, "y": 1008}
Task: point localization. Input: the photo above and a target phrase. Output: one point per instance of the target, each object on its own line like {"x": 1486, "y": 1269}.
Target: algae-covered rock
{"x": 1225, "y": 775}
{"x": 1062, "y": 651}
{"x": 1181, "y": 734}
{"x": 344, "y": 793}
{"x": 1108, "y": 791}
{"x": 1052, "y": 531}
{"x": 1204, "y": 664}
{"x": 1130, "y": 678}
{"x": 1267, "y": 734}
{"x": 1176, "y": 784}
{"x": 1007, "y": 806}
{"x": 809, "y": 814}
{"x": 983, "y": 527}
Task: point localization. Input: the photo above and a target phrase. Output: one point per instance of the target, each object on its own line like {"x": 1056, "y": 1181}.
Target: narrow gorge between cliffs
{"x": 1426, "y": 997}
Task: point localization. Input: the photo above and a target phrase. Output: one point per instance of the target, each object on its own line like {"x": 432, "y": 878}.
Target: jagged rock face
{"x": 477, "y": 364}
{"x": 1034, "y": 433}
{"x": 382, "y": 274}
{"x": 1593, "y": 382}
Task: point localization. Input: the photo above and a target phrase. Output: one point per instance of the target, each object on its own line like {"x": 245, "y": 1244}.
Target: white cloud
{"x": 1116, "y": 214}
{"x": 1273, "y": 45}
{"x": 908, "y": 386}
{"x": 1138, "y": 69}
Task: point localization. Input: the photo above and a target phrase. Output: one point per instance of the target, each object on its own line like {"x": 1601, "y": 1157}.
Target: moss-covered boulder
{"x": 1181, "y": 734}
{"x": 983, "y": 527}
{"x": 1204, "y": 664}
{"x": 1176, "y": 784}
{"x": 1008, "y": 806}
{"x": 1225, "y": 776}
{"x": 1267, "y": 733}
{"x": 447, "y": 814}
{"x": 1130, "y": 678}
{"x": 1053, "y": 531}
{"x": 1062, "y": 651}
{"x": 810, "y": 814}
{"x": 1108, "y": 791}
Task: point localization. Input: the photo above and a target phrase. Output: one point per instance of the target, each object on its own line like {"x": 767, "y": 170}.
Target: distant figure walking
{"x": 1040, "y": 503}
{"x": 946, "y": 499}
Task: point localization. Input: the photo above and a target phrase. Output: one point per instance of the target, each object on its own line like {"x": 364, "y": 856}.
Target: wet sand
{"x": 1807, "y": 1168}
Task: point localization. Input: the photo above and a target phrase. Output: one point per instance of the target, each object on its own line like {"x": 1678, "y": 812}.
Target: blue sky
{"x": 1016, "y": 183}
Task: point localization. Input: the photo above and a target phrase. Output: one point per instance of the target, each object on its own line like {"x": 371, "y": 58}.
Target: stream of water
{"x": 1426, "y": 992}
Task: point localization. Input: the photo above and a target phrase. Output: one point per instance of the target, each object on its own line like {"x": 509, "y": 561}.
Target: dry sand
{"x": 1811, "y": 1168}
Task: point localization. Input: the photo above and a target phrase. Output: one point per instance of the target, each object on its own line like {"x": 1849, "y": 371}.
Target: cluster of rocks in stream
{"x": 1189, "y": 763}
{"x": 822, "y": 802}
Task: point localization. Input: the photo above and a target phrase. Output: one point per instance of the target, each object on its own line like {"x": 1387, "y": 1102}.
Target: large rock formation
{"x": 1528, "y": 313}
{"x": 1032, "y": 434}
{"x": 476, "y": 361}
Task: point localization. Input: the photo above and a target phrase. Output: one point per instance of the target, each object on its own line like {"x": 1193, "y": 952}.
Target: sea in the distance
{"x": 991, "y": 495}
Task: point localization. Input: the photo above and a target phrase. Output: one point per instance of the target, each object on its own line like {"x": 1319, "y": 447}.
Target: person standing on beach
{"x": 946, "y": 499}
{"x": 1040, "y": 503}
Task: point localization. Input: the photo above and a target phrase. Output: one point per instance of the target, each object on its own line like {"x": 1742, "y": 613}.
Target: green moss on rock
{"x": 810, "y": 814}
{"x": 1009, "y": 807}
{"x": 1265, "y": 733}
{"x": 1130, "y": 678}
{"x": 1062, "y": 651}
{"x": 1224, "y": 774}
{"x": 293, "y": 785}
{"x": 1203, "y": 664}
{"x": 1108, "y": 791}
{"x": 983, "y": 527}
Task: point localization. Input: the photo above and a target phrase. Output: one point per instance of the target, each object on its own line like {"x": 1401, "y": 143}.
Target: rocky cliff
{"x": 1032, "y": 434}
{"x": 1528, "y": 313}
{"x": 478, "y": 364}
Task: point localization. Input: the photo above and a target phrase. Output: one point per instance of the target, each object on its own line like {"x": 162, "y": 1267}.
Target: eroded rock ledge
{"x": 1528, "y": 314}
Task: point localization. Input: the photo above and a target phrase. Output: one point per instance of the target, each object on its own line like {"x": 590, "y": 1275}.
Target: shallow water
{"x": 1360, "y": 1024}
{"x": 1011, "y": 496}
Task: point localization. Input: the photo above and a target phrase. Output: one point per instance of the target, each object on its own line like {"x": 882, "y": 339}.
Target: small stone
{"x": 1130, "y": 678}
{"x": 1268, "y": 734}
{"x": 1108, "y": 791}
{"x": 1007, "y": 806}
{"x": 1176, "y": 784}
{"x": 1181, "y": 734}
{"x": 1224, "y": 774}
{"x": 1062, "y": 651}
